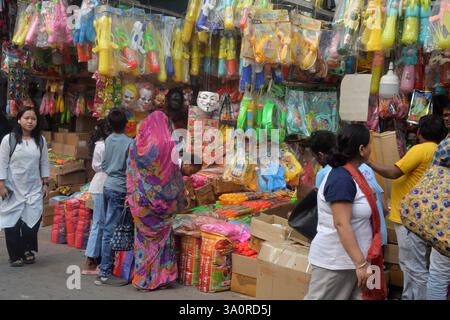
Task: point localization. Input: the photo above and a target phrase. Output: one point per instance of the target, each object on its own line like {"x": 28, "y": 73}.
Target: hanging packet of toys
{"x": 421, "y": 105}
{"x": 305, "y": 40}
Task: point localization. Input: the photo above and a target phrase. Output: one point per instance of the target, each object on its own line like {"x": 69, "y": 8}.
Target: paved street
{"x": 47, "y": 279}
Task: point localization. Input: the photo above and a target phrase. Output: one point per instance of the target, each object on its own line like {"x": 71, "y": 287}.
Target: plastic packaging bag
{"x": 271, "y": 36}
{"x": 370, "y": 39}
{"x": 440, "y": 25}
{"x": 345, "y": 28}
{"x": 293, "y": 169}
{"x": 24, "y": 16}
{"x": 305, "y": 40}
{"x": 421, "y": 105}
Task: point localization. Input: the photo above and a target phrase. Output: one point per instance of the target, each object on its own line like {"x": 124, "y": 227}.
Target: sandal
{"x": 29, "y": 258}
{"x": 17, "y": 263}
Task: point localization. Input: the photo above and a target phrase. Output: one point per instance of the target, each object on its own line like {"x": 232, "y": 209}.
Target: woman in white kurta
{"x": 23, "y": 185}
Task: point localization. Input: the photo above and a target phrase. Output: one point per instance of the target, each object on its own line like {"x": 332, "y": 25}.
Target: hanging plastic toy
{"x": 202, "y": 21}
{"x": 409, "y": 60}
{"x": 23, "y": 23}
{"x": 440, "y": 25}
{"x": 389, "y": 31}
{"x": 190, "y": 18}
{"x": 166, "y": 36}
{"x": 222, "y": 56}
{"x": 425, "y": 14}
{"x": 352, "y": 15}
{"x": 177, "y": 54}
{"x": 151, "y": 47}
{"x": 104, "y": 46}
{"x": 411, "y": 24}
{"x": 231, "y": 57}
{"x": 377, "y": 69}
{"x": 229, "y": 15}
{"x": 371, "y": 35}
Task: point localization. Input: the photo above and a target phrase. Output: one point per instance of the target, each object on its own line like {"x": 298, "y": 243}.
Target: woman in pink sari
{"x": 155, "y": 194}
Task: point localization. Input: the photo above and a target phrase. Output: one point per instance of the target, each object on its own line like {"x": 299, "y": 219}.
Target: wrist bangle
{"x": 363, "y": 265}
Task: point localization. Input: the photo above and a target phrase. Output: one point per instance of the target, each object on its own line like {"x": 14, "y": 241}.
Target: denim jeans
{"x": 413, "y": 260}
{"x": 94, "y": 245}
{"x": 114, "y": 205}
{"x": 439, "y": 279}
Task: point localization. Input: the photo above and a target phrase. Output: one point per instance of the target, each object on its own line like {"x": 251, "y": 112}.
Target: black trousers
{"x": 20, "y": 239}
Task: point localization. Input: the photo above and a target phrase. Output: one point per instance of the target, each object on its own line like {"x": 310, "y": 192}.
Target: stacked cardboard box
{"x": 48, "y": 212}
{"x": 71, "y": 144}
{"x": 391, "y": 257}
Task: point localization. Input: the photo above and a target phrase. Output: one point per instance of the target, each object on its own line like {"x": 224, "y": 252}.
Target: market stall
{"x": 237, "y": 67}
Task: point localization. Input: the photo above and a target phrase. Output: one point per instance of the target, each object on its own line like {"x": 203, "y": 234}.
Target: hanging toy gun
{"x": 33, "y": 30}
{"x": 231, "y": 57}
{"x": 104, "y": 46}
{"x": 177, "y": 55}
{"x": 388, "y": 36}
{"x": 189, "y": 21}
{"x": 195, "y": 56}
{"x": 409, "y": 60}
{"x": 352, "y": 16}
{"x": 425, "y": 14}
{"x": 441, "y": 35}
{"x": 23, "y": 23}
{"x": 222, "y": 56}
{"x": 411, "y": 25}
{"x": 245, "y": 7}
{"x": 371, "y": 38}
{"x": 151, "y": 47}
{"x": 377, "y": 70}
{"x": 123, "y": 42}
{"x": 229, "y": 15}
{"x": 202, "y": 21}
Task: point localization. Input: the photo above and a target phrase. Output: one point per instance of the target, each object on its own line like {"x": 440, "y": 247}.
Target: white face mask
{"x": 128, "y": 98}
{"x": 145, "y": 99}
{"x": 208, "y": 101}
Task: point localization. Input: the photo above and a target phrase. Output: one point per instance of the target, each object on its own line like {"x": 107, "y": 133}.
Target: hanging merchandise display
{"x": 440, "y": 24}
{"x": 390, "y": 26}
{"x": 345, "y": 28}
{"x": 389, "y": 83}
{"x": 377, "y": 69}
{"x": 409, "y": 61}
{"x": 371, "y": 26}
{"x": 309, "y": 111}
{"x": 421, "y": 105}
{"x": 305, "y": 40}
{"x": 411, "y": 23}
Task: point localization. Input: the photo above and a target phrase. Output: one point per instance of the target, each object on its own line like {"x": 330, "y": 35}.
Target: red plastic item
{"x": 152, "y": 59}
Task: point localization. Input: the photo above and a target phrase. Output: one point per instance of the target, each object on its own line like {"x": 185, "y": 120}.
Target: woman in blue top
{"x": 322, "y": 143}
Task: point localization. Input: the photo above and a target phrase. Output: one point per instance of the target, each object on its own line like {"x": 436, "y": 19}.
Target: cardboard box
{"x": 59, "y": 137}
{"x": 396, "y": 275}
{"x": 51, "y": 194}
{"x": 222, "y": 186}
{"x": 244, "y": 265}
{"x": 391, "y": 254}
{"x": 205, "y": 195}
{"x": 244, "y": 274}
{"x": 71, "y": 151}
{"x": 282, "y": 210}
{"x": 77, "y": 139}
{"x": 243, "y": 284}
{"x": 68, "y": 167}
{"x": 48, "y": 135}
{"x": 274, "y": 228}
{"x": 283, "y": 272}
{"x": 255, "y": 243}
{"x": 392, "y": 236}
{"x": 74, "y": 178}
{"x": 385, "y": 152}
{"x": 47, "y": 216}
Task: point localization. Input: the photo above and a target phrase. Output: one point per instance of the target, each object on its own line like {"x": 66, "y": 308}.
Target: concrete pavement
{"x": 47, "y": 279}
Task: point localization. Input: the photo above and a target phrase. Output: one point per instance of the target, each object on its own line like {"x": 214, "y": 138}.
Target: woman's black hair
{"x": 349, "y": 139}
{"x": 102, "y": 131}
{"x": 322, "y": 141}
{"x": 35, "y": 133}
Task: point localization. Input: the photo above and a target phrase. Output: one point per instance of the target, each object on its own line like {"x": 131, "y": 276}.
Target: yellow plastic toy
{"x": 411, "y": 25}
{"x": 195, "y": 55}
{"x": 193, "y": 10}
{"x": 177, "y": 54}
{"x": 440, "y": 22}
{"x": 371, "y": 36}
{"x": 305, "y": 40}
{"x": 229, "y": 14}
{"x": 377, "y": 70}
{"x": 203, "y": 36}
{"x": 23, "y": 25}
{"x": 389, "y": 31}
{"x": 293, "y": 169}
{"x": 104, "y": 46}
